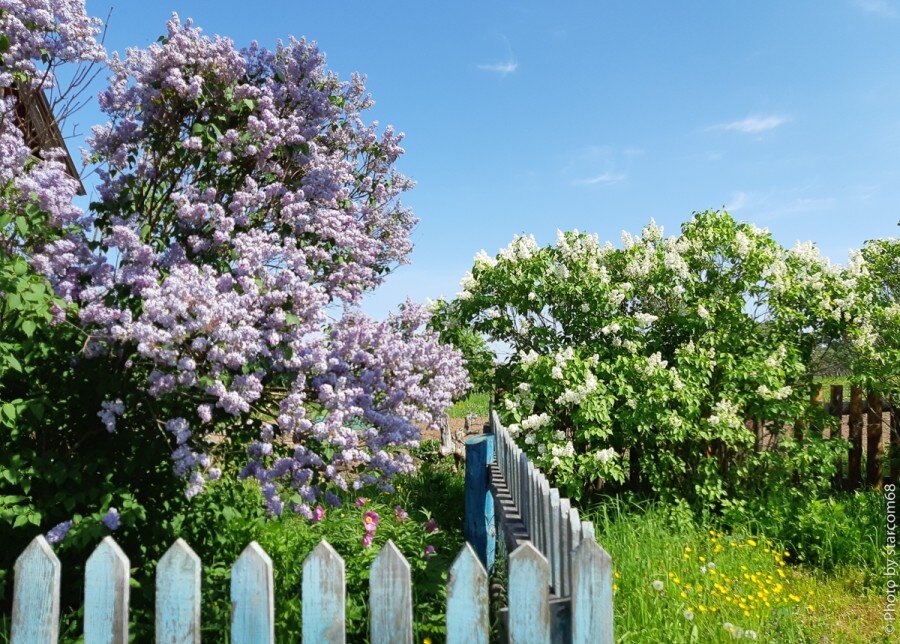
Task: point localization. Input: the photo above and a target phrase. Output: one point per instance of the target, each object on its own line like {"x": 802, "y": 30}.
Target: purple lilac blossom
{"x": 112, "y": 520}
{"x": 431, "y": 525}
{"x": 58, "y": 532}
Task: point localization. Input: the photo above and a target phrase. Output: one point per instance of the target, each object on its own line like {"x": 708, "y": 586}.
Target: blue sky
{"x": 533, "y": 116}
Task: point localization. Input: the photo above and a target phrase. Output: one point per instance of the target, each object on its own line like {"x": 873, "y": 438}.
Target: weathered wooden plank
{"x": 854, "y": 456}
{"x": 531, "y": 481}
{"x": 565, "y": 540}
{"x": 895, "y": 441}
{"x": 574, "y": 533}
{"x": 545, "y": 515}
{"x": 252, "y": 597}
{"x": 529, "y": 599}
{"x": 587, "y": 530}
{"x": 835, "y": 408}
{"x": 553, "y": 545}
{"x": 479, "y": 510}
{"x": 874, "y": 444}
{"x": 525, "y": 485}
{"x": 35, "y": 612}
{"x": 390, "y": 598}
{"x": 592, "y": 595}
{"x": 467, "y": 600}
{"x": 178, "y": 596}
{"x": 324, "y": 596}
{"x": 106, "y": 594}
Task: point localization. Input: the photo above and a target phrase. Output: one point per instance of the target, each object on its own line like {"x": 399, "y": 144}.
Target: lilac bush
{"x": 246, "y": 208}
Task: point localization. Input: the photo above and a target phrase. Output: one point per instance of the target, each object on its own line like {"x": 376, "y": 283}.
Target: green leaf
{"x": 4, "y": 43}
{"x": 28, "y": 327}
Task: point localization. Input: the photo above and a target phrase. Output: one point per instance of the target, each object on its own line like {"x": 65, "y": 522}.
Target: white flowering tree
{"x": 656, "y": 362}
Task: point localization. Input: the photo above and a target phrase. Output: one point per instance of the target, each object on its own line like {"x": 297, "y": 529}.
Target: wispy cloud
{"x": 600, "y": 165}
{"x": 777, "y": 204}
{"x": 502, "y": 67}
{"x": 879, "y": 7}
{"x": 605, "y": 178}
{"x": 752, "y": 124}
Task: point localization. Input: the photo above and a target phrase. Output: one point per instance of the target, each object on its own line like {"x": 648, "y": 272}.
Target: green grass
{"x": 753, "y": 586}
{"x": 476, "y": 403}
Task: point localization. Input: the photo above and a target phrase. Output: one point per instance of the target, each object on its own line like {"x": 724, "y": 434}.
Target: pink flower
{"x": 370, "y": 521}
{"x": 431, "y": 525}
{"x": 367, "y": 539}
{"x": 429, "y": 551}
{"x": 361, "y": 501}
{"x": 319, "y": 514}
{"x": 401, "y": 514}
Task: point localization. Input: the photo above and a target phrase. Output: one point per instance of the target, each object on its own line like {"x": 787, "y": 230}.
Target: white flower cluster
{"x": 483, "y": 259}
{"x": 535, "y": 421}
{"x": 779, "y": 394}
{"x": 577, "y": 395}
{"x": 725, "y": 414}
{"x": 605, "y": 455}
{"x": 529, "y": 357}
{"x": 558, "y": 453}
{"x": 522, "y": 247}
{"x": 655, "y": 364}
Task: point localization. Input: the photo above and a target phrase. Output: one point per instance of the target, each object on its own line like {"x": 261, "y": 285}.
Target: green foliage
{"x": 650, "y": 363}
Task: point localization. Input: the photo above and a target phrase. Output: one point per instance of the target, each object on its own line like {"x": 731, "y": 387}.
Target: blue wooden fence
{"x": 35, "y": 616}
{"x": 507, "y": 496}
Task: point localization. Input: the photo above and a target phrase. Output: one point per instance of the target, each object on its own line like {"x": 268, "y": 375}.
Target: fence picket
{"x": 178, "y": 595}
{"x": 106, "y": 593}
{"x": 592, "y": 595}
{"x": 874, "y": 447}
{"x": 575, "y": 533}
{"x": 467, "y": 600}
{"x": 532, "y": 502}
{"x": 529, "y": 600}
{"x": 545, "y": 515}
{"x": 553, "y": 544}
{"x": 390, "y": 598}
{"x": 324, "y": 604}
{"x": 565, "y": 539}
{"x": 252, "y": 597}
{"x": 587, "y": 530}
{"x": 525, "y": 507}
{"x": 35, "y": 613}
{"x": 855, "y": 436}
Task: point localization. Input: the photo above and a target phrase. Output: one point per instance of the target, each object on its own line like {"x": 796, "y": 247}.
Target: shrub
{"x": 652, "y": 361}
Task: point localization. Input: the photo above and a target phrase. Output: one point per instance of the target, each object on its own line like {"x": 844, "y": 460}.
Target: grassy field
{"x": 476, "y": 403}
{"x": 679, "y": 581}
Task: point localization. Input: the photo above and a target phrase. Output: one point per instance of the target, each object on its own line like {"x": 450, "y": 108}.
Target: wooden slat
{"x": 252, "y": 597}
{"x": 467, "y": 600}
{"x": 529, "y": 600}
{"x": 565, "y": 540}
{"x": 35, "y": 612}
{"x": 895, "y": 441}
{"x": 323, "y": 594}
{"x": 587, "y": 530}
{"x": 532, "y": 502}
{"x": 106, "y": 594}
{"x": 390, "y": 598}
{"x": 592, "y": 595}
{"x": 874, "y": 445}
{"x": 479, "y": 507}
{"x": 835, "y": 407}
{"x": 854, "y": 457}
{"x": 553, "y": 544}
{"x": 178, "y": 596}
{"x": 574, "y": 533}
{"x": 525, "y": 487}
{"x": 544, "y": 528}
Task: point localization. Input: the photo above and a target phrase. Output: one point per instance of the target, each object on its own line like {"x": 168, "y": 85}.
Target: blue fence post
{"x": 479, "y": 524}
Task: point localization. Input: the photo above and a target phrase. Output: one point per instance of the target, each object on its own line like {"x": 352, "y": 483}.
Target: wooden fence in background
{"x": 873, "y": 429}
{"x": 507, "y": 496}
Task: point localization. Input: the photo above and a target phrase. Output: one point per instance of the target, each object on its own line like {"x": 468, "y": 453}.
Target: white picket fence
{"x": 36, "y": 599}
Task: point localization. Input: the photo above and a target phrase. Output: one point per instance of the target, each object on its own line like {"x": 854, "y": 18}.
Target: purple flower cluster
{"x": 41, "y": 31}
{"x": 245, "y": 209}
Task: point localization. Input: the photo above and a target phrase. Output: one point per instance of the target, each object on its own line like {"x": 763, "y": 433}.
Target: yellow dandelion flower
{"x": 751, "y": 542}
{"x": 617, "y": 575}
{"x": 794, "y": 598}
{"x": 683, "y": 594}
{"x": 702, "y": 608}
{"x": 809, "y": 607}
{"x": 702, "y": 559}
{"x": 615, "y": 587}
